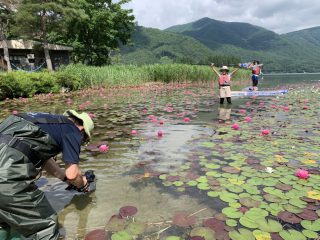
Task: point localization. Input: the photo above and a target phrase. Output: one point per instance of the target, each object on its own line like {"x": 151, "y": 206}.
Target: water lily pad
{"x": 310, "y": 225}
{"x": 231, "y": 223}
{"x": 292, "y": 209}
{"x": 231, "y": 212}
{"x": 136, "y": 228}
{"x": 310, "y": 234}
{"x": 272, "y": 198}
{"x": 204, "y": 232}
{"x": 214, "y": 224}
{"x": 127, "y": 211}
{"x": 173, "y": 238}
{"x": 247, "y": 222}
{"x": 256, "y": 213}
{"x": 212, "y": 166}
{"x": 241, "y": 234}
{"x": 192, "y": 183}
{"x": 213, "y": 194}
{"x": 260, "y": 235}
{"x": 269, "y": 225}
{"x": 249, "y": 202}
{"x": 98, "y": 234}
{"x": 234, "y": 188}
{"x": 228, "y": 197}
{"x": 284, "y": 187}
{"x": 230, "y": 169}
{"x": 297, "y": 202}
{"x": 122, "y": 235}
{"x": 197, "y": 238}
{"x": 308, "y": 215}
{"x": 292, "y": 235}
{"x": 183, "y": 219}
{"x": 203, "y": 186}
{"x": 289, "y": 217}
{"x": 115, "y": 224}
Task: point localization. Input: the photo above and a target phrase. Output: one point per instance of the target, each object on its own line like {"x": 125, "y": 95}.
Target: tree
{"x": 6, "y": 13}
{"x": 106, "y": 26}
{"x": 43, "y": 20}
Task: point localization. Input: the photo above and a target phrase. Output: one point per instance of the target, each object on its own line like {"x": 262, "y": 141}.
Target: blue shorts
{"x": 255, "y": 79}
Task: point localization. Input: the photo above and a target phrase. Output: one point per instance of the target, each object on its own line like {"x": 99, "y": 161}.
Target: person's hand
{"x": 212, "y": 64}
{"x": 89, "y": 183}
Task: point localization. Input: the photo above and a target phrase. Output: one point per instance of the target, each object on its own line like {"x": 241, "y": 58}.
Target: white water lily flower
{"x": 269, "y": 170}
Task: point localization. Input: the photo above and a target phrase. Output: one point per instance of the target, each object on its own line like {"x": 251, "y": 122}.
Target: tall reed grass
{"x": 78, "y": 76}
{"x": 127, "y": 75}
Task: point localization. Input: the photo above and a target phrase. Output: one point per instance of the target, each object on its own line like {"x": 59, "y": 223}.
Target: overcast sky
{"x": 280, "y": 16}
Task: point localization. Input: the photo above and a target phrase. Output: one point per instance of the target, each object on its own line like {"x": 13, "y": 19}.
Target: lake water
{"x": 162, "y": 176}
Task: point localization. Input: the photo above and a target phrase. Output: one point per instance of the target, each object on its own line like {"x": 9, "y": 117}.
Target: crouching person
{"x": 28, "y": 143}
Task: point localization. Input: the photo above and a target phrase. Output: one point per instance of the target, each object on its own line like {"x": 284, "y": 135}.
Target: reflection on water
{"x": 224, "y": 113}
{"x": 128, "y": 173}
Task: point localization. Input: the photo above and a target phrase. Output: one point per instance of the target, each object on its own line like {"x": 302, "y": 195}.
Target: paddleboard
{"x": 258, "y": 93}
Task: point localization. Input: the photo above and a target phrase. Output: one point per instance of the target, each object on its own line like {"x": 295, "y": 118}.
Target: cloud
{"x": 280, "y": 16}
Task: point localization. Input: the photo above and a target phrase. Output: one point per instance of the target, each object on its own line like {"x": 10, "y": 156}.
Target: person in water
{"x": 28, "y": 144}
{"x": 224, "y": 82}
{"x": 256, "y": 69}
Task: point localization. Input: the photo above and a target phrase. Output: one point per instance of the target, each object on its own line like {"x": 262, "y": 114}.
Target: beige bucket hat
{"x": 88, "y": 124}
{"x": 224, "y": 68}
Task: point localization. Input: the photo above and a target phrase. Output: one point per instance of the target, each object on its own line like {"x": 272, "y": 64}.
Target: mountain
{"x": 292, "y": 52}
{"x": 150, "y": 45}
{"x": 215, "y": 33}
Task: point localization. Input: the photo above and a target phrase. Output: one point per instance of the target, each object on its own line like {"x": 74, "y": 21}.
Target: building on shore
{"x": 29, "y": 55}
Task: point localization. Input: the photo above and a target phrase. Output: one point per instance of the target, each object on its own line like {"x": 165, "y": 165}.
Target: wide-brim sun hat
{"x": 87, "y": 122}
{"x": 224, "y": 68}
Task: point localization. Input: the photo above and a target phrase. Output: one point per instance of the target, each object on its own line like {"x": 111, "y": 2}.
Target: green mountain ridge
{"x": 150, "y": 45}
{"x": 292, "y": 52}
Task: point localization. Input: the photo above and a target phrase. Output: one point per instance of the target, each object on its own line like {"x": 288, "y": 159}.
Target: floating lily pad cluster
{"x": 254, "y": 173}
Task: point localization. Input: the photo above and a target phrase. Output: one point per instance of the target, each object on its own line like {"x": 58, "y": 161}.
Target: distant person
{"x": 256, "y": 69}
{"x": 224, "y": 82}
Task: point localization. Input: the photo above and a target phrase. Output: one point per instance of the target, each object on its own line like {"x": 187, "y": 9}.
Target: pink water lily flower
{"x": 235, "y": 126}
{"x": 265, "y": 132}
{"x": 160, "y": 133}
{"x": 150, "y": 117}
{"x": 169, "y": 109}
{"x": 161, "y": 122}
{"x": 186, "y": 119}
{"x": 103, "y": 148}
{"x": 302, "y": 174}
{"x": 134, "y": 132}
{"x": 242, "y": 111}
{"x": 248, "y": 119}
{"x": 248, "y": 103}
{"x": 14, "y": 112}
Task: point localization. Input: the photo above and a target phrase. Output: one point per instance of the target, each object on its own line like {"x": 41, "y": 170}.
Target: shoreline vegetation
{"x": 77, "y": 77}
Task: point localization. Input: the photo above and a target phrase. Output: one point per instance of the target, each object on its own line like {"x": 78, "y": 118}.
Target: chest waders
{"x": 24, "y": 147}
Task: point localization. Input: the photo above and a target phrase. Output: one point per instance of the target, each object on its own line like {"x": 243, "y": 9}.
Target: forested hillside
{"x": 152, "y": 45}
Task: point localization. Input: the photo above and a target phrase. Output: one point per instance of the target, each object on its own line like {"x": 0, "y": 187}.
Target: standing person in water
{"x": 224, "y": 82}
{"x": 256, "y": 69}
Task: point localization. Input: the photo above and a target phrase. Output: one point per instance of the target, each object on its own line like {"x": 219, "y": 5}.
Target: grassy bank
{"x": 75, "y": 77}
